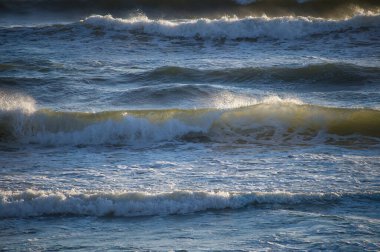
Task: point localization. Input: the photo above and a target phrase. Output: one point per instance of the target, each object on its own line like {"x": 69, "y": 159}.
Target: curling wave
{"x": 32, "y": 203}
{"x": 232, "y": 27}
{"x": 247, "y": 28}
{"x": 271, "y": 120}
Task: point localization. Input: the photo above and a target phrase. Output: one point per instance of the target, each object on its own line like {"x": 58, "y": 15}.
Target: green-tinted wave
{"x": 269, "y": 121}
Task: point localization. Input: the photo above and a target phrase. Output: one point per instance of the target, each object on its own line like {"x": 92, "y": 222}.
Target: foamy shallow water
{"x": 139, "y": 132}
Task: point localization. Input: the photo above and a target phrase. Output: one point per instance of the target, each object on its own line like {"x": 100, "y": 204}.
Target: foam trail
{"x": 41, "y": 203}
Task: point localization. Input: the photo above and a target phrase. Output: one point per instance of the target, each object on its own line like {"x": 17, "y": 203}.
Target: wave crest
{"x": 231, "y": 27}
{"x": 32, "y": 203}
{"x": 16, "y": 102}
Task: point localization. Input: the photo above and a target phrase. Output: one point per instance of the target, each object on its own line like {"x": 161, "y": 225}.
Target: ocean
{"x": 175, "y": 125}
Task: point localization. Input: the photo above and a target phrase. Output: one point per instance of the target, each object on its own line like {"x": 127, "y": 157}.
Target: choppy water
{"x": 202, "y": 125}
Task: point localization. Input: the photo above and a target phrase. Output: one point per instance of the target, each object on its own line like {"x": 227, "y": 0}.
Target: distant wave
{"x": 232, "y": 27}
{"x": 270, "y": 120}
{"x": 326, "y": 74}
{"x": 32, "y": 203}
{"x": 249, "y": 28}
{"x": 195, "y": 8}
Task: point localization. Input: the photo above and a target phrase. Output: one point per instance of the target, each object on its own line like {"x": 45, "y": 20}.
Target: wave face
{"x": 271, "y": 120}
{"x": 232, "y": 27}
{"x": 32, "y": 203}
{"x": 325, "y": 74}
{"x": 196, "y": 8}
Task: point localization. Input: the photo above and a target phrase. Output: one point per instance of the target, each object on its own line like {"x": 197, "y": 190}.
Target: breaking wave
{"x": 33, "y": 203}
{"x": 231, "y": 27}
{"x": 16, "y": 102}
{"x": 270, "y": 120}
{"x": 247, "y": 28}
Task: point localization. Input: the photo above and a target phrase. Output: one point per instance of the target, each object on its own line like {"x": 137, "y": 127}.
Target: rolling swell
{"x": 32, "y": 203}
{"x": 195, "y": 8}
{"x": 272, "y": 120}
{"x": 326, "y": 73}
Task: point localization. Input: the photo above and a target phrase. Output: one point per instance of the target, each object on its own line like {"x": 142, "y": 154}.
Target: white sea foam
{"x": 232, "y": 27}
{"x": 16, "y": 102}
{"x": 38, "y": 203}
{"x": 231, "y": 100}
